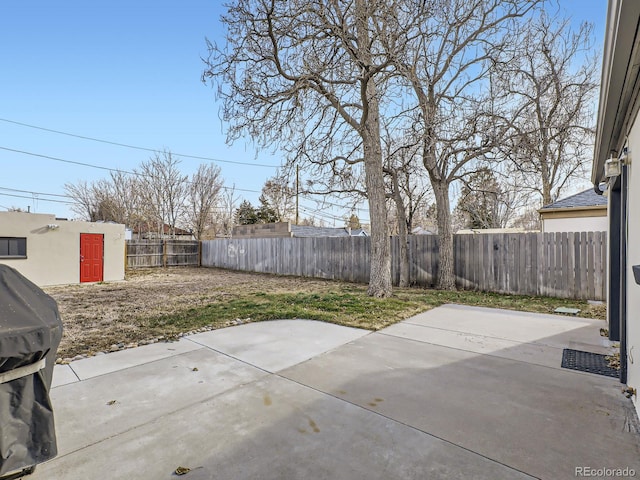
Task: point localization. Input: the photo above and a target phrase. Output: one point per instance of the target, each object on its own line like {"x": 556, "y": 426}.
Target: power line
{"x": 126, "y": 172}
{"x": 73, "y": 162}
{"x": 38, "y": 199}
{"x": 320, "y": 213}
{"x": 135, "y": 147}
{"x": 319, "y": 206}
{"x": 143, "y": 149}
{"x": 35, "y": 193}
{"x": 329, "y": 216}
{"x": 90, "y": 165}
{"x": 35, "y": 196}
{"x": 324, "y": 202}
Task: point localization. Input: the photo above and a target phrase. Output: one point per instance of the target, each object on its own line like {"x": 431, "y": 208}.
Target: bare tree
{"x": 116, "y": 199}
{"x": 353, "y": 222}
{"x": 305, "y": 75}
{"x": 407, "y": 191}
{"x": 480, "y": 201}
{"x": 550, "y": 84}
{"x": 445, "y": 65}
{"x": 94, "y": 201}
{"x": 155, "y": 195}
{"x": 529, "y": 219}
{"x": 127, "y": 206}
{"x": 310, "y": 222}
{"x": 164, "y": 189}
{"x": 84, "y": 200}
{"x": 204, "y": 190}
{"x": 280, "y": 196}
{"x": 226, "y": 211}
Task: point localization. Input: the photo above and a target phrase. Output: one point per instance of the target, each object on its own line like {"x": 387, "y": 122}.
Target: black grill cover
{"x": 30, "y": 330}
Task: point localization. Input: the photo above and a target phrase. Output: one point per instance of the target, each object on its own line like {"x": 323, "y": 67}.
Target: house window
{"x": 13, "y": 247}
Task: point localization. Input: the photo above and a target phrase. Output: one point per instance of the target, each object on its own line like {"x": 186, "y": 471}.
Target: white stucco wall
{"x": 53, "y": 255}
{"x": 633, "y": 258}
{"x": 583, "y": 224}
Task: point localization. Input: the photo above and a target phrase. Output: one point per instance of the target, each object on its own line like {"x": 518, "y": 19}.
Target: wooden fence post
{"x": 164, "y": 253}
{"x": 562, "y": 265}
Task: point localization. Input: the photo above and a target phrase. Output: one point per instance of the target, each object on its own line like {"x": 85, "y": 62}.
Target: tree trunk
{"x": 403, "y": 238}
{"x": 380, "y": 278}
{"x": 403, "y": 234}
{"x": 446, "y": 273}
{"x": 546, "y": 191}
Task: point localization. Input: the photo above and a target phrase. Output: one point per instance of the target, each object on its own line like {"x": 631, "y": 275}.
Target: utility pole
{"x": 297, "y": 192}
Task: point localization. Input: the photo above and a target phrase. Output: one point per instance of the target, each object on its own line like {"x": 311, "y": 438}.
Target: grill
{"x": 30, "y": 332}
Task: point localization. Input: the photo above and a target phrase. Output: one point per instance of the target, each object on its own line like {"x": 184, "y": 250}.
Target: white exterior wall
{"x": 53, "y": 255}
{"x": 633, "y": 258}
{"x": 583, "y": 224}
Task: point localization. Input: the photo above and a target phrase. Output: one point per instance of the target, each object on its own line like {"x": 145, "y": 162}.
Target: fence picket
{"x": 565, "y": 265}
{"x": 167, "y": 253}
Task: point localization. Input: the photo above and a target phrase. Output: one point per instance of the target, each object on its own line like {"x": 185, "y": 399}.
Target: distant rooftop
{"x": 308, "y": 231}
{"x": 588, "y": 198}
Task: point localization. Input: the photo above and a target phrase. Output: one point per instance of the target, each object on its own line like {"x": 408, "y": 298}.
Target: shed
{"x": 583, "y": 212}
{"x": 53, "y": 251}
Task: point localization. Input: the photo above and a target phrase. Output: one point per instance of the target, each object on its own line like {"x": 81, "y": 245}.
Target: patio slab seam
{"x": 207, "y": 347}
{"x": 246, "y": 362}
{"x": 520, "y": 313}
{"x": 128, "y": 367}
{"x": 534, "y": 343}
{"x": 559, "y": 368}
{"x": 75, "y": 373}
{"x": 166, "y": 414}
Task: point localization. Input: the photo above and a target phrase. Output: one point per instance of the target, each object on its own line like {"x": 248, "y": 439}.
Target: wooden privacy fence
{"x": 566, "y": 265}
{"x": 162, "y": 253}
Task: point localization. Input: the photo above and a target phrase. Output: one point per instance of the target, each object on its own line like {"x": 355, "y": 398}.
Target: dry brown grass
{"x": 98, "y": 315}
{"x": 156, "y": 303}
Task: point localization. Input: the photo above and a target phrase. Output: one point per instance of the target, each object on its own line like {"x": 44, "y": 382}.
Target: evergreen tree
{"x": 246, "y": 214}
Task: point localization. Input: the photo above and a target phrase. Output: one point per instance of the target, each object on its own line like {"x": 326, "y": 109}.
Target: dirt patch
{"x": 99, "y": 315}
{"x": 162, "y": 304}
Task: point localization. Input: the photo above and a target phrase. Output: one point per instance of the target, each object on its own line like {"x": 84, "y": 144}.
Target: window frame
{"x": 22, "y": 242}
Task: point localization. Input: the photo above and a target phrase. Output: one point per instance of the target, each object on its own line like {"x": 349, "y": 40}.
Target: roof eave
{"x": 573, "y": 209}
{"x": 616, "y": 81}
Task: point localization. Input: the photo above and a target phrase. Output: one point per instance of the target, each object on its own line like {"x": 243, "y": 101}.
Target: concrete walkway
{"x": 453, "y": 393}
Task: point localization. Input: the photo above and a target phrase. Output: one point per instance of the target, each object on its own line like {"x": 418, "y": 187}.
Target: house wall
{"x": 633, "y": 258}
{"x": 584, "y": 224}
{"x": 53, "y": 255}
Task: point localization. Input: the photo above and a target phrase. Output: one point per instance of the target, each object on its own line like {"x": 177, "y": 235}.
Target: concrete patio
{"x": 453, "y": 393}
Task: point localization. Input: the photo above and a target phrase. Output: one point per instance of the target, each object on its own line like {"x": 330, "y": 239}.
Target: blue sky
{"x": 127, "y": 72}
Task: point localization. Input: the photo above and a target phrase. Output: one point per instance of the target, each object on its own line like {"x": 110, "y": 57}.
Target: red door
{"x": 91, "y": 257}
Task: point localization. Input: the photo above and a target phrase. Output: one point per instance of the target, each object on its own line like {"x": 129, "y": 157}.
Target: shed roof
{"x": 588, "y": 198}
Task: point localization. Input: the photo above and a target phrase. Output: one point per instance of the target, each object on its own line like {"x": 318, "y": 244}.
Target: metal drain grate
{"x": 588, "y": 362}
